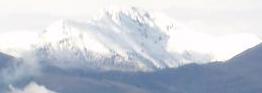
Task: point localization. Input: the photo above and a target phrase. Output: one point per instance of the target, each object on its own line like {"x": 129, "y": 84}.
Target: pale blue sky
{"x": 210, "y": 16}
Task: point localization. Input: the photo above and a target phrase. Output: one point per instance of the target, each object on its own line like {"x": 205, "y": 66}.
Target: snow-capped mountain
{"x": 118, "y": 39}
{"x": 125, "y": 39}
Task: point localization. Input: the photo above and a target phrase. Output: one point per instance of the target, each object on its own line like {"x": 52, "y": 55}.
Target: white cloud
{"x": 31, "y": 88}
{"x": 16, "y": 42}
{"x": 220, "y": 47}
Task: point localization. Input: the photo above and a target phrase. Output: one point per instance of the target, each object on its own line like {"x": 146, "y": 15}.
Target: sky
{"x": 216, "y": 17}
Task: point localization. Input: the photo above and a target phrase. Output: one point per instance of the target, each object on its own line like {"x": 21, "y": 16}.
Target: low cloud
{"x": 31, "y": 88}
{"x": 20, "y": 68}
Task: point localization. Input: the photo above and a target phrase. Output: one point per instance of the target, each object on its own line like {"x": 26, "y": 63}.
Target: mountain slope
{"x": 248, "y": 64}
{"x": 192, "y": 78}
{"x": 250, "y": 56}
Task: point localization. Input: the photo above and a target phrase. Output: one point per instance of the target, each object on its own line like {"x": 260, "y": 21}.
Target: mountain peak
{"x": 127, "y": 15}
{"x": 130, "y": 10}
{"x": 136, "y": 18}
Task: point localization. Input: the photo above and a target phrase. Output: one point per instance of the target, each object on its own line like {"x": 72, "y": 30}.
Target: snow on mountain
{"x": 129, "y": 38}
{"x": 125, "y": 38}
{"x": 132, "y": 39}
{"x": 119, "y": 39}
{"x": 241, "y": 74}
